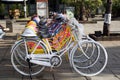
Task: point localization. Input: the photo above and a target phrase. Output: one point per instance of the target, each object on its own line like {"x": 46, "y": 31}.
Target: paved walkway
{"x": 112, "y": 71}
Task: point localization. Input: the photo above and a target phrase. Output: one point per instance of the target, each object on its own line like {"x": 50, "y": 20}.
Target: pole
{"x": 25, "y": 14}
{"x": 107, "y": 19}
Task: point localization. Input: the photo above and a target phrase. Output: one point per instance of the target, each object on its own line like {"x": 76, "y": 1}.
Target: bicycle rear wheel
{"x": 18, "y": 58}
{"x": 89, "y": 59}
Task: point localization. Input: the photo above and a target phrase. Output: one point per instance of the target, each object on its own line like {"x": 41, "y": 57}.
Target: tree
{"x": 83, "y": 7}
{"x": 116, "y": 8}
{"x": 92, "y": 5}
{"x": 2, "y": 8}
{"x": 107, "y": 19}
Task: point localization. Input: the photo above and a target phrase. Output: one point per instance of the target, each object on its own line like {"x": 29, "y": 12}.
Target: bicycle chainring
{"x": 55, "y": 61}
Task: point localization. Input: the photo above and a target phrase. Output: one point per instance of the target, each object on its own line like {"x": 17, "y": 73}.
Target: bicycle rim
{"x": 94, "y": 63}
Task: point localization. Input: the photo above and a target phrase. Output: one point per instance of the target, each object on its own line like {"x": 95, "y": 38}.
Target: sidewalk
{"x": 18, "y": 27}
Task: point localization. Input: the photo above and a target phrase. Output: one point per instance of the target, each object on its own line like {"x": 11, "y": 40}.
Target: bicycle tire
{"x": 81, "y": 55}
{"x": 94, "y": 64}
{"x": 18, "y": 59}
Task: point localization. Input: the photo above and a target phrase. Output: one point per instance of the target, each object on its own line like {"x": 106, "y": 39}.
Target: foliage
{"x": 68, "y": 1}
{"x": 89, "y": 6}
{"x": 2, "y": 8}
{"x": 92, "y": 5}
{"x": 116, "y": 8}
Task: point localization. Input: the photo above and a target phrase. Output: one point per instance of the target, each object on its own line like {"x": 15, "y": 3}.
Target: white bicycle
{"x": 30, "y": 55}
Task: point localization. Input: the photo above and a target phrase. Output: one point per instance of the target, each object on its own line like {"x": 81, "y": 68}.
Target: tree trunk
{"x": 107, "y": 19}
{"x": 57, "y": 6}
{"x": 25, "y": 13}
{"x": 82, "y": 11}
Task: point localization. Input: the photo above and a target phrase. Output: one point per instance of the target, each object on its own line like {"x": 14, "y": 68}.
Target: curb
{"x": 112, "y": 37}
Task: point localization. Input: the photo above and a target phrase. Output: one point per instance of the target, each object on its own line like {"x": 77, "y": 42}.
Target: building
{"x": 53, "y": 5}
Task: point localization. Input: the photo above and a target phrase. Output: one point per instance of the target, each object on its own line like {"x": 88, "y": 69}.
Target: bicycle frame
{"x": 50, "y": 53}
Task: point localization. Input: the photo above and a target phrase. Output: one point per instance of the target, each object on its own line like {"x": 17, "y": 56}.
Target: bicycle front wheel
{"x": 89, "y": 58}
{"x": 18, "y": 57}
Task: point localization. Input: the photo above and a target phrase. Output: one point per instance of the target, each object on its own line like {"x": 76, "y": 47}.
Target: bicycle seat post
{"x": 48, "y": 44}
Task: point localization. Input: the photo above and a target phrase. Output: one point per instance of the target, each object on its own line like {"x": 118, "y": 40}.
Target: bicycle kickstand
{"x": 29, "y": 64}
